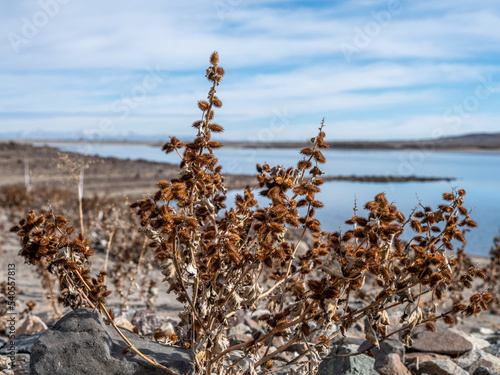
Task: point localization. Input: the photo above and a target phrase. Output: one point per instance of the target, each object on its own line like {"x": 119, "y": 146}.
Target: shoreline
{"x": 427, "y": 145}
{"x": 114, "y": 176}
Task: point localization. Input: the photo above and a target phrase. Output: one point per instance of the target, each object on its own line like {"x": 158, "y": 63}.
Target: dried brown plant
{"x": 214, "y": 258}
{"x": 49, "y": 237}
{"x": 221, "y": 262}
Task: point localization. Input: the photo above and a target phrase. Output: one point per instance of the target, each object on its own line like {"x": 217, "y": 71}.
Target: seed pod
{"x": 126, "y": 351}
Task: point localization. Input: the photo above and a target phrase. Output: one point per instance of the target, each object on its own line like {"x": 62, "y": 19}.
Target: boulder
{"x": 80, "y": 343}
{"x": 438, "y": 367}
{"x": 354, "y": 365}
{"x": 443, "y": 341}
{"x": 391, "y": 364}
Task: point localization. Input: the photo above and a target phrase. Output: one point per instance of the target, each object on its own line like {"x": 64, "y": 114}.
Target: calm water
{"x": 476, "y": 172}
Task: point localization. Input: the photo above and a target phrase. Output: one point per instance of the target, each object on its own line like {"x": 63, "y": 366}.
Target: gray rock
{"x": 493, "y": 349}
{"x": 391, "y": 364}
{"x": 486, "y": 331}
{"x": 422, "y": 357}
{"x": 438, "y": 367}
{"x": 240, "y": 329}
{"x": 443, "y": 341}
{"x": 354, "y": 365}
{"x": 4, "y": 362}
{"x": 80, "y": 343}
{"x": 481, "y": 370}
{"x": 386, "y": 347}
{"x": 147, "y": 322}
{"x": 476, "y": 358}
{"x": 21, "y": 344}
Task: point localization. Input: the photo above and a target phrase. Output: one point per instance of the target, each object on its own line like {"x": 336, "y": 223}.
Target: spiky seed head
{"x": 203, "y": 105}
{"x": 214, "y": 58}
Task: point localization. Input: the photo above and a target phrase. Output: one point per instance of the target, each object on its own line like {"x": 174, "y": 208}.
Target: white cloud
{"x": 92, "y": 54}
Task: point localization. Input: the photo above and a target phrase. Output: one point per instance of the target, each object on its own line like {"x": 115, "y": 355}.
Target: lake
{"x": 475, "y": 171}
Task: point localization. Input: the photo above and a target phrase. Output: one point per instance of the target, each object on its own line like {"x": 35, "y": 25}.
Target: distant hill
{"x": 484, "y": 141}
{"x": 479, "y": 141}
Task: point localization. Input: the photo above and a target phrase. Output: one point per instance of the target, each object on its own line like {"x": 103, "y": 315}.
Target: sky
{"x": 397, "y": 69}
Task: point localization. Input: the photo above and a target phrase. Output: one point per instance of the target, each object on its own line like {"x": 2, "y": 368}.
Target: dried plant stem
{"x": 181, "y": 282}
{"x": 266, "y": 336}
{"x": 108, "y": 245}
{"x": 51, "y": 287}
{"x": 386, "y": 337}
{"x": 277, "y": 351}
{"x": 132, "y": 347}
{"x": 80, "y": 199}
{"x": 136, "y": 271}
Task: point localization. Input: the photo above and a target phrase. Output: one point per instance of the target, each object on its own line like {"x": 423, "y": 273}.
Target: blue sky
{"x": 374, "y": 69}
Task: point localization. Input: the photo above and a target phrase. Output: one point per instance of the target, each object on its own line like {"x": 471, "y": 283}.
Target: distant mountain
{"x": 479, "y": 141}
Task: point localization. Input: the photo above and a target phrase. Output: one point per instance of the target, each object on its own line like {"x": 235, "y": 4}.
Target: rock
{"x": 386, "y": 347}
{"x": 21, "y": 344}
{"x": 31, "y": 325}
{"x": 438, "y": 367}
{"x": 391, "y": 365}
{"x": 493, "y": 349}
{"x": 476, "y": 358}
{"x": 124, "y": 323}
{"x": 477, "y": 342}
{"x": 80, "y": 343}
{"x": 422, "y": 357}
{"x": 239, "y": 338}
{"x": 4, "y": 362}
{"x": 148, "y": 322}
{"x": 443, "y": 341}
{"x": 253, "y": 324}
{"x": 354, "y": 365}
{"x": 483, "y": 331}
{"x": 484, "y": 371}
{"x": 22, "y": 362}
{"x": 20, "y": 365}
{"x": 240, "y": 329}
{"x": 18, "y": 371}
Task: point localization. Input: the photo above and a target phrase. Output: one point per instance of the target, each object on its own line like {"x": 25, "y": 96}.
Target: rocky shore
{"x": 81, "y": 343}
{"x": 22, "y": 163}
